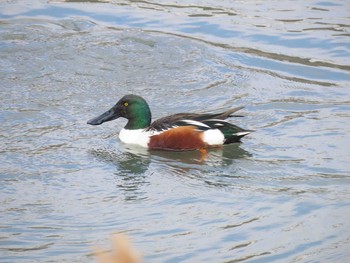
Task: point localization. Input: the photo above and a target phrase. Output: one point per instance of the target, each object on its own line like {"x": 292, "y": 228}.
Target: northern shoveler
{"x": 178, "y": 132}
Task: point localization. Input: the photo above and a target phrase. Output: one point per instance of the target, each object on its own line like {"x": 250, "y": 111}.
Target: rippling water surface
{"x": 280, "y": 196}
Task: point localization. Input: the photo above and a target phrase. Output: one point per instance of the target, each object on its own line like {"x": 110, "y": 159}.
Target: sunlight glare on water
{"x": 280, "y": 196}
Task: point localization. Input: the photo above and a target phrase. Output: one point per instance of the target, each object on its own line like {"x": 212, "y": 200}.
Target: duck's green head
{"x": 132, "y": 107}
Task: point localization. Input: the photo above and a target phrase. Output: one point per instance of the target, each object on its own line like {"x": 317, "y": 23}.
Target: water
{"x": 280, "y": 196}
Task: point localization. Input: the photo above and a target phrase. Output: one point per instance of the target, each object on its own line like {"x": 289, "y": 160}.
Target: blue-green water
{"x": 280, "y": 196}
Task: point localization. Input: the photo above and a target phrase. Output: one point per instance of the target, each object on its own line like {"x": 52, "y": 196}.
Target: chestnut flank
{"x": 183, "y": 138}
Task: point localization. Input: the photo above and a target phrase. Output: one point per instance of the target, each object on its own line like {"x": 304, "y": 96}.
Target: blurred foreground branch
{"x": 122, "y": 251}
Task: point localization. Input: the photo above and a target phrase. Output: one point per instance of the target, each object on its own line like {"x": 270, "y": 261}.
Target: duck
{"x": 177, "y": 132}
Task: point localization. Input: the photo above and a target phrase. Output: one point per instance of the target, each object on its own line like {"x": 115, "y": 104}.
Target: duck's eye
{"x": 126, "y": 104}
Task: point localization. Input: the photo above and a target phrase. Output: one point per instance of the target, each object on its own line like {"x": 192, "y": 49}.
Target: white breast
{"x": 137, "y": 137}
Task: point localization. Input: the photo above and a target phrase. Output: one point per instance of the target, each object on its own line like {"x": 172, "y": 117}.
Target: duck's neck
{"x": 140, "y": 120}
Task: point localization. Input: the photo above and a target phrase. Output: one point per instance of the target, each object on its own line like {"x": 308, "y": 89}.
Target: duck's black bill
{"x": 107, "y": 116}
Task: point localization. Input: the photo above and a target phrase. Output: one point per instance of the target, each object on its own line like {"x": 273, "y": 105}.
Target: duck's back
{"x": 179, "y": 118}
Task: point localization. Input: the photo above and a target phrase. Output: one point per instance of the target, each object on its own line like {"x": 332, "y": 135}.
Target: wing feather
{"x": 198, "y": 119}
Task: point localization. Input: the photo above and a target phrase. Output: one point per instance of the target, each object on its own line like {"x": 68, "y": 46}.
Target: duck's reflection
{"x": 133, "y": 165}
{"x": 224, "y": 155}
{"x": 220, "y": 167}
{"x": 130, "y": 173}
